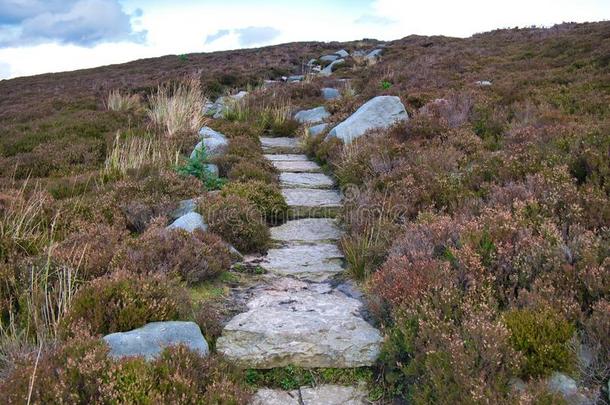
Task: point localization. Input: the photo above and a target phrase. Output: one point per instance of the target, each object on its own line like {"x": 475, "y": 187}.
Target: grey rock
{"x": 484, "y": 83}
{"x": 562, "y": 384}
{"x": 328, "y": 70}
{"x": 308, "y": 262}
{"x": 295, "y": 78}
{"x": 312, "y": 203}
{"x": 333, "y": 395}
{"x": 189, "y": 222}
{"x": 301, "y": 324}
{"x": 516, "y": 384}
{"x": 213, "y": 169}
{"x": 306, "y": 180}
{"x": 342, "y": 53}
{"x": 313, "y": 116}
{"x": 329, "y": 58}
{"x": 214, "y": 142}
{"x": 287, "y": 158}
{"x": 330, "y": 94}
{"x": 239, "y": 95}
{"x": 312, "y": 62}
{"x": 150, "y": 340}
{"x": 267, "y": 396}
{"x": 379, "y": 113}
{"x": 307, "y": 231}
{"x": 375, "y": 54}
{"x": 280, "y": 145}
{"x": 297, "y": 166}
{"x": 317, "y": 129}
{"x": 184, "y": 207}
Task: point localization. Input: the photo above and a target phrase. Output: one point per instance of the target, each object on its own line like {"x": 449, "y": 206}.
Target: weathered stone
{"x": 184, "y": 207}
{"x": 333, "y": 395}
{"x": 483, "y": 83}
{"x": 280, "y": 145}
{"x": 307, "y": 180}
{"x": 329, "y": 58}
{"x": 379, "y": 113}
{"x": 189, "y": 222}
{"x": 213, "y": 169}
{"x": 317, "y": 129}
{"x": 301, "y": 324}
{"x": 342, "y": 53}
{"x": 313, "y": 116}
{"x": 307, "y": 230}
{"x": 311, "y": 262}
{"x": 375, "y": 54}
{"x": 562, "y": 384}
{"x": 287, "y": 158}
{"x": 295, "y": 78}
{"x": 297, "y": 166}
{"x": 330, "y": 94}
{"x": 276, "y": 397}
{"x": 312, "y": 62}
{"x": 328, "y": 70}
{"x": 312, "y": 203}
{"x": 214, "y": 142}
{"x": 150, "y": 340}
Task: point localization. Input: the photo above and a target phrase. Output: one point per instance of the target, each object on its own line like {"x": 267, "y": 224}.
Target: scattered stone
{"x": 300, "y": 324}
{"x": 562, "y": 384}
{"x": 483, "y": 83}
{"x": 342, "y": 53}
{"x": 313, "y": 116}
{"x": 267, "y": 396}
{"x": 379, "y": 113}
{"x": 333, "y": 395}
{"x": 330, "y": 94}
{"x": 312, "y": 62}
{"x": 286, "y": 158}
{"x": 307, "y": 230}
{"x": 312, "y": 203}
{"x": 328, "y": 70}
{"x": 213, "y": 169}
{"x": 280, "y": 145}
{"x": 215, "y": 143}
{"x": 297, "y": 166}
{"x": 189, "y": 222}
{"x": 329, "y": 58}
{"x": 184, "y": 207}
{"x": 150, "y": 340}
{"x": 306, "y": 180}
{"x": 295, "y": 78}
{"x": 317, "y": 129}
{"x": 375, "y": 54}
{"x": 239, "y": 95}
{"x": 310, "y": 262}
{"x": 516, "y": 384}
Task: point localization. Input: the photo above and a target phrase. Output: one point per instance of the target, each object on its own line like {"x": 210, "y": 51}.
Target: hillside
{"x": 459, "y": 245}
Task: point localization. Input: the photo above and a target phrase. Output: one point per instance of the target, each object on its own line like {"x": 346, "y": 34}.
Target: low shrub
{"x": 193, "y": 257}
{"x": 122, "y": 302}
{"x": 238, "y": 221}
{"x": 260, "y": 170}
{"x": 267, "y": 198}
{"x": 80, "y": 371}
{"x": 285, "y": 128}
{"x": 544, "y": 339}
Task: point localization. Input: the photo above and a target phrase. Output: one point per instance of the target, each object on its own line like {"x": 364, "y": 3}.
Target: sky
{"x": 41, "y": 36}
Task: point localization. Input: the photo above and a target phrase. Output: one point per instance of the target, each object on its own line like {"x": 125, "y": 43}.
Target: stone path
{"x": 299, "y": 316}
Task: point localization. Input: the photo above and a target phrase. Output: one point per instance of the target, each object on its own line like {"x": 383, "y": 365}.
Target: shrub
{"x": 80, "y": 371}
{"x": 196, "y": 166}
{"x": 117, "y": 101}
{"x": 260, "y": 170}
{"x": 543, "y": 337}
{"x": 193, "y": 257}
{"x": 267, "y": 198}
{"x": 122, "y": 302}
{"x": 238, "y": 221}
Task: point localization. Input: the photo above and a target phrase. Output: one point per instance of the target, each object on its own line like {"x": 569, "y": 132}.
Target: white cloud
{"x": 256, "y": 35}
{"x": 5, "y": 70}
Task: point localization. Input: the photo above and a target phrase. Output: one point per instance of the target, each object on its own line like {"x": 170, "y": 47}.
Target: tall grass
{"x": 116, "y": 101}
{"x": 178, "y": 108}
{"x": 135, "y": 153}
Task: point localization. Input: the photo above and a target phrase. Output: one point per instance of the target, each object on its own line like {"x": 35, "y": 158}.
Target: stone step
{"x": 297, "y": 166}
{"x": 312, "y": 203}
{"x": 287, "y": 158}
{"x": 315, "y": 262}
{"x": 320, "y": 395}
{"x": 280, "y": 145}
{"x": 307, "y": 231}
{"x": 306, "y": 180}
{"x": 301, "y": 324}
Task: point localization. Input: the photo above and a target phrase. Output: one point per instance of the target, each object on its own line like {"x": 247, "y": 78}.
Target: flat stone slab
{"x": 302, "y": 324}
{"x": 307, "y": 230}
{"x": 321, "y": 395}
{"x": 297, "y": 166}
{"x": 280, "y": 145}
{"x": 287, "y": 158}
{"x": 306, "y": 180}
{"x": 312, "y": 262}
{"x": 150, "y": 340}
{"x": 312, "y": 203}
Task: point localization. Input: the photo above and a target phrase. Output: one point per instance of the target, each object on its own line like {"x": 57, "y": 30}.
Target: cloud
{"x": 375, "y": 20}
{"x": 81, "y": 22}
{"x": 256, "y": 35}
{"x": 219, "y": 34}
{"x": 5, "y": 70}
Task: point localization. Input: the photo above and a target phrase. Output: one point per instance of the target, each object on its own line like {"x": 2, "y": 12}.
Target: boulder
{"x": 312, "y": 62}
{"x": 329, "y": 58}
{"x": 330, "y": 94}
{"x": 328, "y": 70}
{"x": 184, "y": 207}
{"x": 150, "y": 340}
{"x": 215, "y": 143}
{"x": 342, "y": 53}
{"x": 313, "y": 116}
{"x": 189, "y": 222}
{"x": 379, "y": 113}
{"x": 213, "y": 169}
{"x": 374, "y": 54}
{"x": 317, "y": 129}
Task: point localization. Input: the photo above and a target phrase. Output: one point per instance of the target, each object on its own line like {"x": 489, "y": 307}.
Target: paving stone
{"x": 307, "y": 230}
{"x": 287, "y": 158}
{"x": 306, "y": 180}
{"x": 312, "y": 203}
{"x": 280, "y": 145}
{"x": 297, "y": 166}
{"x": 312, "y": 262}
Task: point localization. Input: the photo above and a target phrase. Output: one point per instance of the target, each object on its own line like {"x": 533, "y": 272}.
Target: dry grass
{"x": 116, "y": 101}
{"x": 177, "y": 109}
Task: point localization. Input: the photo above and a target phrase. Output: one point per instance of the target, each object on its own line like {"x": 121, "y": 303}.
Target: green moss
{"x": 290, "y": 377}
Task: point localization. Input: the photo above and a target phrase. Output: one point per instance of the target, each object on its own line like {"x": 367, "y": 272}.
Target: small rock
{"x": 330, "y": 94}
{"x": 213, "y": 169}
{"x": 312, "y": 62}
{"x": 328, "y": 70}
{"x": 317, "y": 129}
{"x": 375, "y": 54}
{"x": 184, "y": 207}
{"x": 189, "y": 222}
{"x": 562, "y": 384}
{"x": 239, "y": 95}
{"x": 313, "y": 116}
{"x": 295, "y": 79}
{"x": 379, "y": 113}
{"x": 342, "y": 53}
{"x": 150, "y": 340}
{"x": 267, "y": 396}
{"x": 329, "y": 58}
{"x": 333, "y": 395}
{"x": 516, "y": 384}
{"x": 215, "y": 143}
{"x": 483, "y": 83}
